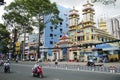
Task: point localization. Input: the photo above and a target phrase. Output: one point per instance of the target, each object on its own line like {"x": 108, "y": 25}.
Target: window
{"x": 60, "y": 23}
{"x": 55, "y": 42}
{"x": 82, "y": 38}
{"x": 87, "y": 30}
{"x": 92, "y": 37}
{"x": 78, "y": 38}
{"x": 60, "y": 30}
{"x": 102, "y": 39}
{"x": 87, "y": 37}
{"x": 56, "y": 27}
{"x": 51, "y": 35}
{"x": 51, "y": 42}
{"x": 92, "y": 30}
{"x": 55, "y": 35}
{"x": 51, "y": 28}
{"x": 60, "y": 35}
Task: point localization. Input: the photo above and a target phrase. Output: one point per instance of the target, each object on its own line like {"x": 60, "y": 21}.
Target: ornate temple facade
{"x": 81, "y": 33}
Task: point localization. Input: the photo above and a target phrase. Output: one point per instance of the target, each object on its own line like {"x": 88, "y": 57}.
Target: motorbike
{"x": 90, "y": 63}
{"x": 7, "y": 68}
{"x": 37, "y": 72}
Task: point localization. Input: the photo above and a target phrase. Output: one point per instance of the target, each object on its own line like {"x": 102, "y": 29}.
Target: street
{"x": 23, "y": 72}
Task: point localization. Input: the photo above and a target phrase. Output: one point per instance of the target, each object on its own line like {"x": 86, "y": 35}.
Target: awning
{"x": 101, "y": 46}
{"x": 106, "y": 47}
{"x": 112, "y": 48}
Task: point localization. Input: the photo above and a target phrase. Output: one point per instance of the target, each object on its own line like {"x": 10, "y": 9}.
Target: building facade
{"x": 82, "y": 33}
{"x": 115, "y": 27}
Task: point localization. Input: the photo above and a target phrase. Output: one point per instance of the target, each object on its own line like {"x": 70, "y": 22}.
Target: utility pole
{"x": 24, "y": 42}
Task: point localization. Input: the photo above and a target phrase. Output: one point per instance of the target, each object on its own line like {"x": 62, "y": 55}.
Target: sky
{"x": 100, "y": 10}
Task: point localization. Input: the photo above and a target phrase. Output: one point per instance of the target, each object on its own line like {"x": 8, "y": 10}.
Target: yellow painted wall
{"x": 17, "y": 47}
{"x": 113, "y": 56}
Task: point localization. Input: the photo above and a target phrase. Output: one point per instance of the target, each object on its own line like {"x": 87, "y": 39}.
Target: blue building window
{"x": 51, "y": 42}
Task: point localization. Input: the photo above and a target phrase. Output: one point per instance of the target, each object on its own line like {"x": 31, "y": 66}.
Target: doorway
{"x": 75, "y": 55}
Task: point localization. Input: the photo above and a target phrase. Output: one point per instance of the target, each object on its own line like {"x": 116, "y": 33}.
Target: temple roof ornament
{"x": 88, "y": 3}
{"x": 64, "y": 37}
{"x": 73, "y": 12}
{"x": 64, "y": 40}
{"x": 88, "y": 6}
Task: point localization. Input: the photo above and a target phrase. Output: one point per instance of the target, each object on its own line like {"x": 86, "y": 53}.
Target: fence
{"x": 110, "y": 69}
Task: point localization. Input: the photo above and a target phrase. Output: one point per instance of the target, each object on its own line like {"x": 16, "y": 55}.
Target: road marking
{"x": 57, "y": 79}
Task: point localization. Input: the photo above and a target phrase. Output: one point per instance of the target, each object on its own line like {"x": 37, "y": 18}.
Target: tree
{"x": 20, "y": 14}
{"x": 17, "y": 19}
{"x": 4, "y": 39}
{"x": 44, "y": 12}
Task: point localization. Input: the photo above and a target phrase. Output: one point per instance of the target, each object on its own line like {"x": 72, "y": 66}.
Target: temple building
{"x": 84, "y": 33}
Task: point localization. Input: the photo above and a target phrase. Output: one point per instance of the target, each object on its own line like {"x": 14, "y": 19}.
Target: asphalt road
{"x": 23, "y": 72}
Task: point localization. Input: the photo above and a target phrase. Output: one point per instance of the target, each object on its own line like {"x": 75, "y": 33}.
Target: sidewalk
{"x": 116, "y": 64}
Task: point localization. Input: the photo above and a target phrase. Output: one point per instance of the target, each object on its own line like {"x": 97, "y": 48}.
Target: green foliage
{"x": 3, "y": 32}
{"x": 17, "y": 16}
{"x": 21, "y": 13}
{"x": 41, "y": 9}
{"x": 4, "y": 38}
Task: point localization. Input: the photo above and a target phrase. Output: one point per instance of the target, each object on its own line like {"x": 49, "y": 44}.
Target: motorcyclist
{"x": 7, "y": 63}
{"x": 7, "y": 66}
{"x": 35, "y": 66}
{"x": 90, "y": 63}
{"x": 56, "y": 62}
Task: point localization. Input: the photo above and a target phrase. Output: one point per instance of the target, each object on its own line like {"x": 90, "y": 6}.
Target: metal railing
{"x": 110, "y": 69}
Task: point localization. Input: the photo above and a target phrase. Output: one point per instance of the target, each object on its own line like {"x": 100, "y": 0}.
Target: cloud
{"x": 100, "y": 9}
{"x": 69, "y": 3}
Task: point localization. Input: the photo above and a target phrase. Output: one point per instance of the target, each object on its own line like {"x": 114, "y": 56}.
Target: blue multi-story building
{"x": 52, "y": 33}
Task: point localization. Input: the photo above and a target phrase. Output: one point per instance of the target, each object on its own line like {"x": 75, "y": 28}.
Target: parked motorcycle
{"x": 37, "y": 72}
{"x": 90, "y": 63}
